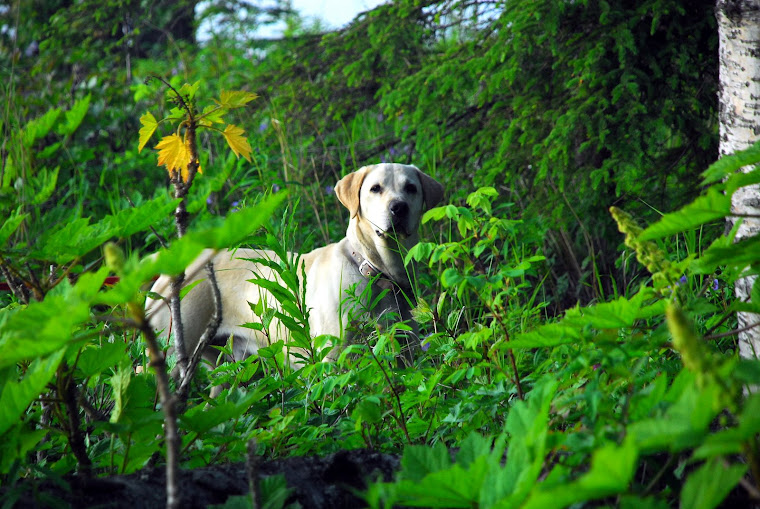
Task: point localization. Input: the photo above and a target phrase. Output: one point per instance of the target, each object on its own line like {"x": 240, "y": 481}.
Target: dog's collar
{"x": 368, "y": 270}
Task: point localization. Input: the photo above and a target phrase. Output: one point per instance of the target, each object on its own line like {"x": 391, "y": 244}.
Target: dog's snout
{"x": 399, "y": 208}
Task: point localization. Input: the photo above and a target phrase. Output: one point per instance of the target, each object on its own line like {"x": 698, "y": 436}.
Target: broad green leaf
{"x": 17, "y": 396}
{"x": 230, "y": 99}
{"x": 183, "y": 251}
{"x": 96, "y": 358}
{"x": 74, "y": 116}
{"x": 129, "y": 221}
{"x": 727, "y": 165}
{"x": 149, "y": 126}
{"x": 712, "y": 206}
{"x": 40, "y": 127}
{"x": 42, "y": 328}
{"x": 237, "y": 141}
{"x": 212, "y": 115}
{"x": 47, "y": 181}
{"x": 684, "y": 424}
{"x": 723, "y": 252}
{"x": 72, "y": 240}
{"x": 11, "y": 225}
{"x": 471, "y": 448}
{"x": 418, "y": 461}
{"x": 367, "y": 410}
{"x": 709, "y": 485}
{"x": 450, "y": 488}
{"x": 201, "y": 418}
{"x": 548, "y": 335}
{"x": 612, "y": 469}
{"x": 188, "y": 91}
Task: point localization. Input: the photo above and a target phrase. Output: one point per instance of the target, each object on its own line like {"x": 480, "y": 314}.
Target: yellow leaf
{"x": 235, "y": 98}
{"x": 173, "y": 153}
{"x": 237, "y": 141}
{"x": 149, "y": 126}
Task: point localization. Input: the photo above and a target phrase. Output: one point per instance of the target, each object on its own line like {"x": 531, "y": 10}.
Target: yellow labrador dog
{"x": 385, "y": 201}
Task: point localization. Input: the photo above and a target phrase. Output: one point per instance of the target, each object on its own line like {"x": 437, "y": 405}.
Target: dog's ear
{"x": 432, "y": 190}
{"x": 347, "y": 189}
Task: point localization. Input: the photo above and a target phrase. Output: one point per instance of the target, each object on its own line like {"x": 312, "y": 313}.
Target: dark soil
{"x": 316, "y": 482}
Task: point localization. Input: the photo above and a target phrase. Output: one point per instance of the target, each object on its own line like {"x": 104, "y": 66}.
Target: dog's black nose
{"x": 399, "y": 208}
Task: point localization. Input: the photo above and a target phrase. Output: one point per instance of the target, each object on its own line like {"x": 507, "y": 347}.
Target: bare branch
{"x": 207, "y": 336}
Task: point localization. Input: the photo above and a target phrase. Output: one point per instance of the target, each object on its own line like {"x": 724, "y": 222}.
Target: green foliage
{"x": 553, "y": 371}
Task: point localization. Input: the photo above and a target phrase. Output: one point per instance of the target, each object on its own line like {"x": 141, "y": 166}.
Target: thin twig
{"x": 208, "y": 334}
{"x": 401, "y": 419}
{"x": 67, "y": 391}
{"x": 733, "y": 332}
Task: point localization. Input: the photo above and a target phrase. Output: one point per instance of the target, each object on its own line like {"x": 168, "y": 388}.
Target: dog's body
{"x": 386, "y": 202}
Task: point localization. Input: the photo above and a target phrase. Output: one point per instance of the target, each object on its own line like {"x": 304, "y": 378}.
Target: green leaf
{"x": 473, "y": 447}
{"x": 548, "y": 335}
{"x": 420, "y": 460}
{"x": 46, "y": 180}
{"x": 419, "y": 252}
{"x": 612, "y": 469}
{"x": 40, "y": 127}
{"x": 11, "y": 225}
{"x": 230, "y": 99}
{"x": 17, "y": 396}
{"x": 367, "y": 410}
{"x": 685, "y": 422}
{"x": 712, "y": 206}
{"x": 72, "y": 240}
{"x": 74, "y": 116}
{"x": 202, "y": 418}
{"x": 728, "y": 164}
{"x": 723, "y": 252}
{"x": 94, "y": 359}
{"x": 709, "y": 485}
{"x": 127, "y": 222}
{"x": 149, "y": 126}
{"x": 42, "y": 328}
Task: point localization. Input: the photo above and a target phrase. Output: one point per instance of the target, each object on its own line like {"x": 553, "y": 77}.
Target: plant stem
{"x": 401, "y": 419}
{"x": 68, "y": 393}
{"x": 207, "y": 336}
{"x": 168, "y": 405}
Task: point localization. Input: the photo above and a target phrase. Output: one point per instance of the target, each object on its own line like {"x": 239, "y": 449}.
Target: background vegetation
{"x": 547, "y": 334}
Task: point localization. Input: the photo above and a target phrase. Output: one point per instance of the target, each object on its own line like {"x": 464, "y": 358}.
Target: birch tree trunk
{"x": 739, "y": 55}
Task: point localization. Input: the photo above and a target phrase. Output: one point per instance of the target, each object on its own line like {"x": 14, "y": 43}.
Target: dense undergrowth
{"x": 601, "y": 363}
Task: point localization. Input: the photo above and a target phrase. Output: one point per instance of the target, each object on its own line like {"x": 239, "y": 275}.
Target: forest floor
{"x": 315, "y": 482}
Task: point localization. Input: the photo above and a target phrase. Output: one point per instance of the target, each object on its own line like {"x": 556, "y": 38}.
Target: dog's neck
{"x": 376, "y": 255}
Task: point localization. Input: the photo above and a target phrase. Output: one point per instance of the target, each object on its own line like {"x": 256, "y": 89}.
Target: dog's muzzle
{"x": 399, "y": 214}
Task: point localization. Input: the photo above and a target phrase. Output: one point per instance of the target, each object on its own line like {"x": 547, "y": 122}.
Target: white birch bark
{"x": 739, "y": 56}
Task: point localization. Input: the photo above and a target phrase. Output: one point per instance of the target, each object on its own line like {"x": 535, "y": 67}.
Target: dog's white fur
{"x": 386, "y": 202}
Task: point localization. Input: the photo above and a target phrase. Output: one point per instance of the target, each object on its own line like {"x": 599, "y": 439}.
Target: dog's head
{"x": 389, "y": 197}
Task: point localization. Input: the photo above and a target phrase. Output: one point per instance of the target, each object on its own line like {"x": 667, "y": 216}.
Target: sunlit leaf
{"x": 174, "y": 154}
{"x": 149, "y": 125}
{"x": 235, "y": 98}
{"x": 712, "y": 206}
{"x": 211, "y": 115}
{"x": 237, "y": 141}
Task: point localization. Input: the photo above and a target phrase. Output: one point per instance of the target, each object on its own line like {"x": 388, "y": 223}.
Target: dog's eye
{"x": 375, "y": 189}
{"x": 410, "y": 189}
